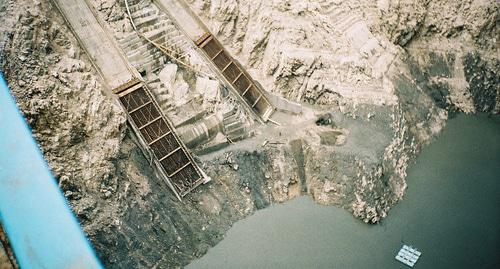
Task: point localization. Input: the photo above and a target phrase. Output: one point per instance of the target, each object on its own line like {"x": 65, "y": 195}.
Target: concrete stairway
{"x": 156, "y": 26}
{"x": 158, "y": 90}
{"x": 352, "y": 23}
{"x": 234, "y": 126}
{"x": 341, "y": 17}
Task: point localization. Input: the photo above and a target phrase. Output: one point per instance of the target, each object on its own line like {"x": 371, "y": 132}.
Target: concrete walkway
{"x": 102, "y": 50}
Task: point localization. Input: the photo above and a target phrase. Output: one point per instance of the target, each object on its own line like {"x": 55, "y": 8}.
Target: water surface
{"x": 450, "y": 212}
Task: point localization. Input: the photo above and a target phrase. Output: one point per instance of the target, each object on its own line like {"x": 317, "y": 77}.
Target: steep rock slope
{"x": 131, "y": 217}
{"x": 457, "y": 50}
{"x": 79, "y": 129}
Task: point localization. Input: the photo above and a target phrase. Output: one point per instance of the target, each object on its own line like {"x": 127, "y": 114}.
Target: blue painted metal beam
{"x": 42, "y": 230}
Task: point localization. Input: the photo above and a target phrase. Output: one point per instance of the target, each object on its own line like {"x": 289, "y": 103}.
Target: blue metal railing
{"x": 42, "y": 230}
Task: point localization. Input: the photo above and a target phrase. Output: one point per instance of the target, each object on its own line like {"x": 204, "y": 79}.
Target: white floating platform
{"x": 408, "y": 255}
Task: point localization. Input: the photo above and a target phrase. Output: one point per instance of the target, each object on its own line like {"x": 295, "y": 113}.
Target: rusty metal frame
{"x": 202, "y": 39}
{"x": 159, "y": 137}
{"x": 128, "y": 85}
{"x": 233, "y": 67}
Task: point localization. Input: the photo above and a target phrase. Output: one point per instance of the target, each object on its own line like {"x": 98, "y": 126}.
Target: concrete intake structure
{"x": 201, "y": 132}
{"x": 154, "y": 131}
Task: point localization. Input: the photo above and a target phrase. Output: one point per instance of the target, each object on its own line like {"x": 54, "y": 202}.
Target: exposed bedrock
{"x": 377, "y": 80}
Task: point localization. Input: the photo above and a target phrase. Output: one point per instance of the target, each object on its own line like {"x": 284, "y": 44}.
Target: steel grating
{"x": 160, "y": 137}
{"x": 237, "y": 76}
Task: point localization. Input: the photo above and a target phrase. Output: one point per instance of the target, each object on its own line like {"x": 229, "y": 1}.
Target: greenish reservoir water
{"x": 451, "y": 212}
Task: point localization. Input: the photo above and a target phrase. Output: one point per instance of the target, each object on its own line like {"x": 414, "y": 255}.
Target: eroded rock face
{"x": 78, "y": 128}
{"x": 320, "y": 52}
{"x": 473, "y": 20}
{"x": 331, "y": 52}
{"x": 484, "y": 81}
{"x": 347, "y": 56}
{"x": 453, "y": 53}
{"x": 343, "y": 59}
